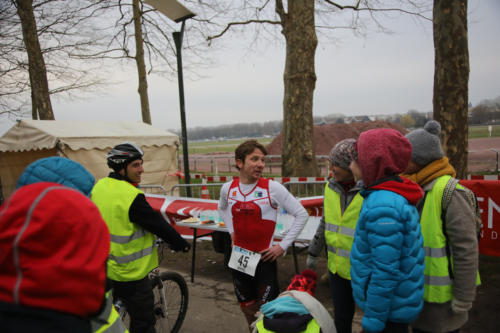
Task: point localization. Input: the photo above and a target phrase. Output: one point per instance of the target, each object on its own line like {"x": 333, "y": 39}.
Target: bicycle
{"x": 171, "y": 299}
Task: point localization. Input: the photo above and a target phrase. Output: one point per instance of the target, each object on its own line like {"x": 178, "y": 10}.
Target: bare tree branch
{"x": 280, "y": 10}
{"x": 68, "y": 32}
{"x": 343, "y": 7}
{"x": 229, "y": 25}
{"x": 371, "y": 9}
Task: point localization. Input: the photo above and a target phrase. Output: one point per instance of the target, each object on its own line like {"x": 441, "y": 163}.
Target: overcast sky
{"x": 383, "y": 74}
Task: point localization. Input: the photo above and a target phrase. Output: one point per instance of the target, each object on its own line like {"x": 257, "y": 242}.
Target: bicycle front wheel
{"x": 171, "y": 302}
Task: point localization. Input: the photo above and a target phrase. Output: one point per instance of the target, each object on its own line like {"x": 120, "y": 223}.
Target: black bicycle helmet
{"x": 121, "y": 155}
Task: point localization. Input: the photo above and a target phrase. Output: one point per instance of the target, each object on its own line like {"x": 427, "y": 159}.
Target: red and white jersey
{"x": 250, "y": 212}
{"x": 254, "y": 216}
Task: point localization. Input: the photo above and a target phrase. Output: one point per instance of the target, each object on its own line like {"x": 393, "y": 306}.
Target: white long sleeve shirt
{"x": 280, "y": 197}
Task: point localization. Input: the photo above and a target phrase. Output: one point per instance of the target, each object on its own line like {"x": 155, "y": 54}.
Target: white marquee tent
{"x": 86, "y": 142}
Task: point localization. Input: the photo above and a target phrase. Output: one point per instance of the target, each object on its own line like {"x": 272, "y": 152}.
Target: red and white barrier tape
{"x": 282, "y": 180}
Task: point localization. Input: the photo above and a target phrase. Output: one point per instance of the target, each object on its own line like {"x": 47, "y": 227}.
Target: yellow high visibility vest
{"x": 438, "y": 283}
{"x": 339, "y": 231}
{"x": 132, "y": 254}
{"x": 312, "y": 327}
{"x": 109, "y": 320}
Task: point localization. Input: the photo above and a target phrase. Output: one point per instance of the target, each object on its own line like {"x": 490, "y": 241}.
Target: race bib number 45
{"x": 244, "y": 260}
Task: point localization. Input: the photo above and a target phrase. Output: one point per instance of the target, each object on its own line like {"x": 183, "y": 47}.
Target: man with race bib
{"x": 249, "y": 207}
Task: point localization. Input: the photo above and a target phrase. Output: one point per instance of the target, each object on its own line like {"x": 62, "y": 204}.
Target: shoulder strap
{"x": 471, "y": 196}
{"x": 448, "y": 193}
{"x": 315, "y": 308}
{"x": 450, "y": 187}
{"x": 263, "y": 182}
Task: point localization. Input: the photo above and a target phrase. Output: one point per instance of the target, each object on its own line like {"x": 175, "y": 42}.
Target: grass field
{"x": 212, "y": 146}
{"x": 476, "y": 132}
{"x": 228, "y": 146}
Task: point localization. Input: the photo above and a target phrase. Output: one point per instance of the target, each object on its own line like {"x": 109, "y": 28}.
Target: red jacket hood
{"x": 53, "y": 250}
{"x": 402, "y": 186}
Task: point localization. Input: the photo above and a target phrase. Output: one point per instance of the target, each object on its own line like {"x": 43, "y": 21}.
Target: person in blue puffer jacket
{"x": 387, "y": 258}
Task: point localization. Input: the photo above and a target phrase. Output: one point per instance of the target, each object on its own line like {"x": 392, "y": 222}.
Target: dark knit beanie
{"x": 426, "y": 144}
{"x": 342, "y": 153}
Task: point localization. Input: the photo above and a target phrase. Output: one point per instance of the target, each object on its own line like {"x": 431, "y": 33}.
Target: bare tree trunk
{"x": 141, "y": 66}
{"x": 298, "y": 153}
{"x": 40, "y": 99}
{"x": 451, "y": 79}
{"x": 34, "y": 114}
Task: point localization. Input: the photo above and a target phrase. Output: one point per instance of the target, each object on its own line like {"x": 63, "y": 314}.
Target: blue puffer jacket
{"x": 58, "y": 170}
{"x": 387, "y": 258}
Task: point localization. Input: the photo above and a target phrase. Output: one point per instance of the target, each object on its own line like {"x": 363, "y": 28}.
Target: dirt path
{"x": 213, "y": 306}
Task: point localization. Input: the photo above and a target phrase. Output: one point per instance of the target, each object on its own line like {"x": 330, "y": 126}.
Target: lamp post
{"x": 496, "y": 151}
{"x": 178, "y": 13}
{"x": 177, "y": 35}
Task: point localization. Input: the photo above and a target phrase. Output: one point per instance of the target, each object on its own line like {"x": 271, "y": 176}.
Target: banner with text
{"x": 488, "y": 197}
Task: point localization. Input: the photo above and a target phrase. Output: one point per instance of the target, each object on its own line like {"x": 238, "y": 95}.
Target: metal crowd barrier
{"x": 297, "y": 188}
{"x": 305, "y": 189}
{"x": 226, "y": 163}
{"x": 153, "y": 189}
{"x": 196, "y": 190}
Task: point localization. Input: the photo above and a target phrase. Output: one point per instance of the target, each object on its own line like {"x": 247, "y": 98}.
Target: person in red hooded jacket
{"x": 53, "y": 250}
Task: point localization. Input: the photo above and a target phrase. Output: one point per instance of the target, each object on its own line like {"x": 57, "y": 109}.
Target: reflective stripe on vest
{"x": 339, "y": 231}
{"x": 125, "y": 239}
{"x": 312, "y": 327}
{"x": 133, "y": 256}
{"x": 339, "y": 252}
{"x": 108, "y": 320}
{"x": 132, "y": 253}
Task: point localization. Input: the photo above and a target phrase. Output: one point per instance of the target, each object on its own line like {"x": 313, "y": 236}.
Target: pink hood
{"x": 382, "y": 152}
{"x": 53, "y": 250}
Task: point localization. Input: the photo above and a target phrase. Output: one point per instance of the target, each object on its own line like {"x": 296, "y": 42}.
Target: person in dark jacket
{"x": 133, "y": 224}
{"x": 387, "y": 256}
{"x": 53, "y": 250}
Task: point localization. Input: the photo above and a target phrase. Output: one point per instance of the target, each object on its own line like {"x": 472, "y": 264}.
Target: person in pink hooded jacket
{"x": 53, "y": 251}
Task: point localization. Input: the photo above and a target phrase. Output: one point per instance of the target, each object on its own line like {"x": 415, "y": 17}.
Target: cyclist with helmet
{"x": 132, "y": 223}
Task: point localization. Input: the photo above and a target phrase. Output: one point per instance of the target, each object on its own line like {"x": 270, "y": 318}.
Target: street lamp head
{"x": 171, "y": 9}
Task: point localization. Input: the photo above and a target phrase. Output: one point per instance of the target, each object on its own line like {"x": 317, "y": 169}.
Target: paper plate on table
{"x": 191, "y": 220}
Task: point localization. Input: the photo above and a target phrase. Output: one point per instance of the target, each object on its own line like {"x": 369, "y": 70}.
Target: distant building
{"x": 357, "y": 119}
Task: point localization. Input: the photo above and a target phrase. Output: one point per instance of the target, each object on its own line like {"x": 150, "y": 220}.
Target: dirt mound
{"x": 326, "y": 136}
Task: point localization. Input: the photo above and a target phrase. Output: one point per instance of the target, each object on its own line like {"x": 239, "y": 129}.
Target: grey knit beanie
{"x": 426, "y": 144}
{"x": 342, "y": 153}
